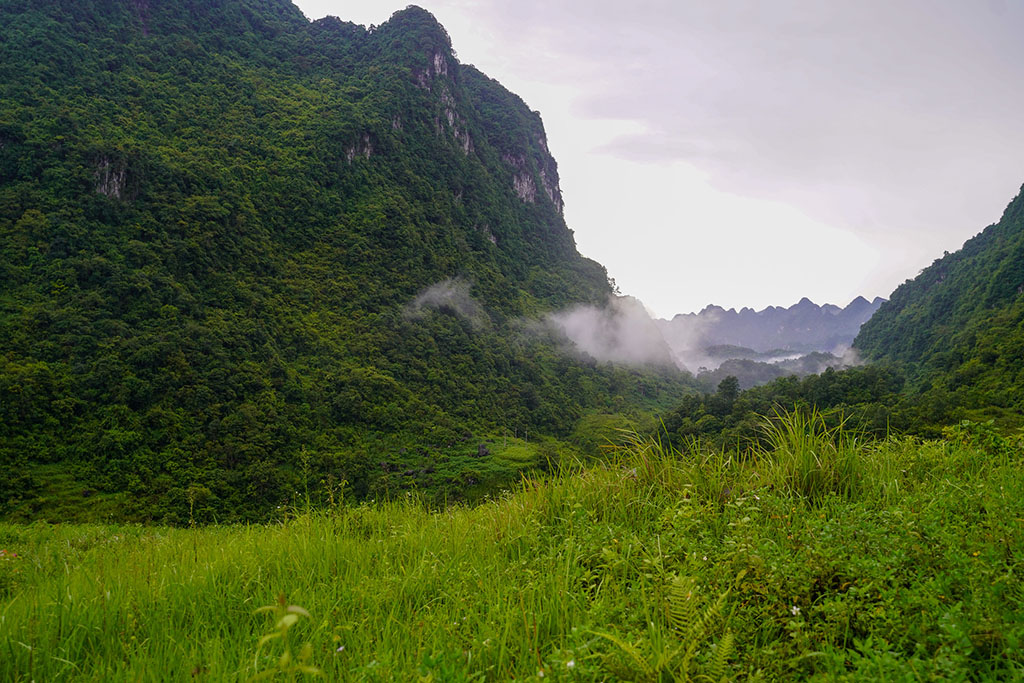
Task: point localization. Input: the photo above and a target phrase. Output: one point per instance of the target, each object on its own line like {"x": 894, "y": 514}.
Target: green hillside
{"x": 240, "y": 252}
{"x": 958, "y": 327}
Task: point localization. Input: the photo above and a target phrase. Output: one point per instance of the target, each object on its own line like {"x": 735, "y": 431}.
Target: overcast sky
{"x": 750, "y": 153}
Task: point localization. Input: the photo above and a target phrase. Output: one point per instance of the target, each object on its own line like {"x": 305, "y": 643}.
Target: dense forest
{"x": 242, "y": 252}
{"x": 959, "y": 325}
{"x": 247, "y": 258}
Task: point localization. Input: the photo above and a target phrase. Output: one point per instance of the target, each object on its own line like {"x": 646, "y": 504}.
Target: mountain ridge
{"x": 804, "y": 326}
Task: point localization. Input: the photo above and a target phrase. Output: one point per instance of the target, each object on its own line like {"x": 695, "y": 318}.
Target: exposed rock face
{"x": 363, "y": 148}
{"x": 489, "y": 235}
{"x": 456, "y": 124}
{"x": 111, "y": 178}
{"x": 436, "y": 78}
{"x": 439, "y": 67}
{"x": 525, "y": 187}
{"x": 440, "y": 64}
{"x": 550, "y": 185}
{"x": 141, "y": 9}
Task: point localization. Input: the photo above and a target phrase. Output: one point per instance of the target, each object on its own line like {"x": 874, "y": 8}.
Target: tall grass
{"x": 822, "y": 555}
{"x": 808, "y": 458}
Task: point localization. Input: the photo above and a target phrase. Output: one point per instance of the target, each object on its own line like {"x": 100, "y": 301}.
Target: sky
{"x": 751, "y": 153}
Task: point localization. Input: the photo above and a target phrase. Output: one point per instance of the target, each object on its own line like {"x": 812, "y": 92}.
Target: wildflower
{"x": 571, "y": 664}
{"x": 794, "y": 610}
{"x": 341, "y": 648}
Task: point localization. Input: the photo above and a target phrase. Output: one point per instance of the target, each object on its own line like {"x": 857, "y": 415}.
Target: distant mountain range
{"x": 775, "y": 334}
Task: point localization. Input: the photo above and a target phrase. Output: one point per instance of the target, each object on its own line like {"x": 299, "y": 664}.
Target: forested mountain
{"x": 240, "y": 251}
{"x": 958, "y": 327}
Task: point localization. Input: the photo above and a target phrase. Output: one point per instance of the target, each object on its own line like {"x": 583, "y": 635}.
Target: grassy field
{"x": 821, "y": 556}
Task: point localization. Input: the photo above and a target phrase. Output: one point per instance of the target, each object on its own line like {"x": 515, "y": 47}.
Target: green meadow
{"x": 819, "y": 555}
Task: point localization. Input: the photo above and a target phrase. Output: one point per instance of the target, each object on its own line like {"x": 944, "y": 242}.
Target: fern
{"x": 716, "y": 671}
{"x": 681, "y": 604}
{"x": 691, "y": 623}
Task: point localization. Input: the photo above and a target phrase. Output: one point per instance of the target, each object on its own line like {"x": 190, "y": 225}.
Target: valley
{"x": 303, "y": 375}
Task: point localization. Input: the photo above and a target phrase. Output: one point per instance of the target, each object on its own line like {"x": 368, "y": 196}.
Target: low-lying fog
{"x": 624, "y": 332}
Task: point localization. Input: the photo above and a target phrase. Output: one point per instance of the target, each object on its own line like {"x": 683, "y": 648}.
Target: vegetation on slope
{"x": 821, "y": 556}
{"x": 958, "y": 327}
{"x": 873, "y": 399}
{"x": 215, "y": 218}
{"x": 947, "y": 347}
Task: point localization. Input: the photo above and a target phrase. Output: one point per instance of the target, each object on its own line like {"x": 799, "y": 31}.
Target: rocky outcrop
{"x": 438, "y": 67}
{"x": 111, "y": 178}
{"x": 363, "y": 148}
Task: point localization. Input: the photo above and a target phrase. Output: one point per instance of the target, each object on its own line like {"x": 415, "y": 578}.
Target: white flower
{"x": 570, "y": 664}
{"x": 341, "y": 648}
{"x": 794, "y": 610}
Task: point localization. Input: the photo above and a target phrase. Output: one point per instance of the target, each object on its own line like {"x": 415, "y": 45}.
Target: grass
{"x": 820, "y": 557}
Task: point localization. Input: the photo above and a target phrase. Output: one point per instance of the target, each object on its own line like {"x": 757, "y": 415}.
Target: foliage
{"x": 913, "y": 574}
{"x": 285, "y": 616}
{"x": 674, "y": 640}
{"x": 958, "y": 327}
{"x": 9, "y": 570}
{"x": 868, "y": 398}
{"x": 214, "y": 218}
{"x": 816, "y": 460}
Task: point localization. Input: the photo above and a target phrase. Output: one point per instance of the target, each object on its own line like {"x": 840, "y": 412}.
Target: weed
{"x": 10, "y": 568}
{"x": 288, "y": 664}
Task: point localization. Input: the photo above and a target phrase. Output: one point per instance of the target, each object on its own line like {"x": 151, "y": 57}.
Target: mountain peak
{"x": 407, "y": 209}
{"x": 417, "y": 15}
{"x": 421, "y": 26}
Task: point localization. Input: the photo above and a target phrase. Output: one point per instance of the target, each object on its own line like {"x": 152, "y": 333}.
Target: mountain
{"x": 715, "y": 334}
{"x": 242, "y": 253}
{"x": 958, "y": 327}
